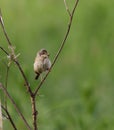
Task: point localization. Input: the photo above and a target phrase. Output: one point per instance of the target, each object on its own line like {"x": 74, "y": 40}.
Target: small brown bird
{"x": 41, "y": 63}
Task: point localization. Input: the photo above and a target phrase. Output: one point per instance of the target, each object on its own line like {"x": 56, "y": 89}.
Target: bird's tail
{"x": 37, "y": 76}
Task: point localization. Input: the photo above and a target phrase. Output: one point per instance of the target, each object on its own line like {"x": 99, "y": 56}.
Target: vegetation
{"x": 78, "y": 94}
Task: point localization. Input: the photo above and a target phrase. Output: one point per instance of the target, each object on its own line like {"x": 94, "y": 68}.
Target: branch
{"x": 14, "y": 104}
{"x": 13, "y": 56}
{"x": 24, "y": 77}
{"x": 67, "y": 8}
{"x": 9, "y": 117}
{"x": 34, "y": 112}
{"x": 62, "y": 44}
{"x": 5, "y": 33}
{"x": 4, "y": 51}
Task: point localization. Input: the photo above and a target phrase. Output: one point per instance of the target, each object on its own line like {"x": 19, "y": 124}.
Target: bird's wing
{"x": 47, "y": 64}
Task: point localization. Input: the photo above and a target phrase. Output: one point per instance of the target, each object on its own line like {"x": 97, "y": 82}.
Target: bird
{"x": 42, "y": 62}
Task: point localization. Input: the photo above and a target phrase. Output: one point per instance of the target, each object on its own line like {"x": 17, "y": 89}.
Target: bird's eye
{"x": 43, "y": 52}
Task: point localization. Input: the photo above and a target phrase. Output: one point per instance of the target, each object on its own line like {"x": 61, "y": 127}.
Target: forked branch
{"x": 14, "y": 59}
{"x": 9, "y": 117}
{"x": 67, "y": 8}
{"x": 4, "y": 51}
{"x": 12, "y": 55}
{"x": 63, "y": 42}
{"x": 15, "y": 106}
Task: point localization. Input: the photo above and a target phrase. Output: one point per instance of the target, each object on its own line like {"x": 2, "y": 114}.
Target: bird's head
{"x": 43, "y": 52}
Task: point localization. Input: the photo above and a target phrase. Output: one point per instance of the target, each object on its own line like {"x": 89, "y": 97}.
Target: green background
{"x": 79, "y": 92}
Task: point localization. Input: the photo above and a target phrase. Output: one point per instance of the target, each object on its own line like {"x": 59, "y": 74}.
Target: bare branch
{"x": 5, "y": 33}
{"x": 27, "y": 85}
{"x": 14, "y": 104}
{"x": 20, "y": 68}
{"x": 9, "y": 117}
{"x": 24, "y": 77}
{"x": 67, "y": 8}
{"x": 75, "y": 5}
{"x": 4, "y": 50}
{"x": 61, "y": 47}
{"x": 13, "y": 56}
{"x": 14, "y": 59}
{"x": 34, "y": 112}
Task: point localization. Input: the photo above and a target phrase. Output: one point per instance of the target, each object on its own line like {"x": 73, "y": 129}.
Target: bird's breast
{"x": 38, "y": 66}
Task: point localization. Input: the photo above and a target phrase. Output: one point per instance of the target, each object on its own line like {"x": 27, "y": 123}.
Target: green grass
{"x": 78, "y": 94}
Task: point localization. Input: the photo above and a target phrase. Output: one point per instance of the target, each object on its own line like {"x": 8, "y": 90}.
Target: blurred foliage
{"x": 78, "y": 94}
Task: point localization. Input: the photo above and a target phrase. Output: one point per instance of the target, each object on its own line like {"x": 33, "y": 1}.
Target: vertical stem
{"x": 34, "y": 112}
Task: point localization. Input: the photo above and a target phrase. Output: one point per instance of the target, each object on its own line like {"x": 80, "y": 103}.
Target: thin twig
{"x": 12, "y": 49}
{"x": 9, "y": 117}
{"x": 6, "y": 74}
{"x": 75, "y": 5}
{"x": 61, "y": 47}
{"x": 14, "y": 104}
{"x": 24, "y": 77}
{"x": 2, "y": 24}
{"x": 67, "y": 8}
{"x": 4, "y": 51}
{"x": 27, "y": 85}
{"x": 33, "y": 95}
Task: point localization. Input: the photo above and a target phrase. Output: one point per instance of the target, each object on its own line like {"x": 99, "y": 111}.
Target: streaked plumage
{"x": 42, "y": 62}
